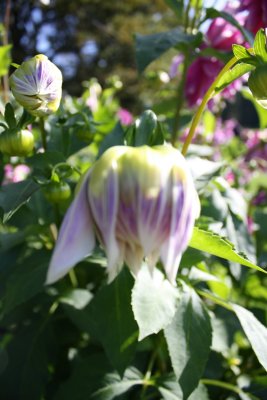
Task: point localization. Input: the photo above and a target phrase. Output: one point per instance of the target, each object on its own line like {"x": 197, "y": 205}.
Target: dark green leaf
{"x": 150, "y": 47}
{"x": 216, "y": 245}
{"x": 46, "y": 161}
{"x": 115, "y": 138}
{"x": 189, "y": 340}
{"x": 114, "y": 386}
{"x": 170, "y": 389}
{"x": 145, "y": 128}
{"x": 255, "y": 331}
{"x": 10, "y": 116}
{"x": 154, "y": 302}
{"x": 27, "y": 362}
{"x": 85, "y": 379}
{"x": 111, "y": 318}
{"x": 26, "y": 281}
{"x": 14, "y": 195}
{"x": 176, "y": 6}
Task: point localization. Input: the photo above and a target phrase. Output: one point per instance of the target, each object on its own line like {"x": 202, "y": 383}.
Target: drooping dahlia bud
{"x": 257, "y": 83}
{"x": 37, "y": 86}
{"x": 140, "y": 202}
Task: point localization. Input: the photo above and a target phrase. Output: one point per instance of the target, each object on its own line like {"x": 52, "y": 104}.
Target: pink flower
{"x": 125, "y": 116}
{"x": 200, "y": 76}
{"x": 15, "y": 174}
{"x": 230, "y": 177}
{"x": 221, "y": 35}
{"x": 256, "y": 17}
{"x": 224, "y": 131}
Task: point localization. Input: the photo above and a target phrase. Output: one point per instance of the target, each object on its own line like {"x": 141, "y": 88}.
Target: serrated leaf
{"x": 151, "y": 47}
{"x": 214, "y": 244}
{"x": 189, "y": 339}
{"x": 260, "y": 45}
{"x": 240, "y": 51}
{"x": 14, "y": 195}
{"x": 154, "y": 301}
{"x": 114, "y": 386}
{"x": 111, "y": 307}
{"x": 232, "y": 74}
{"x": 255, "y": 332}
{"x": 170, "y": 389}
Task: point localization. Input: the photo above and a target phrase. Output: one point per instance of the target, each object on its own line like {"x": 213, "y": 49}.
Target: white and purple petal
{"x": 76, "y": 237}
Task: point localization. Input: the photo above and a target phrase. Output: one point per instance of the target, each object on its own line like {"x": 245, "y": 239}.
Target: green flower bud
{"x": 16, "y": 143}
{"x": 257, "y": 83}
{"x": 37, "y": 86}
{"x": 57, "y": 192}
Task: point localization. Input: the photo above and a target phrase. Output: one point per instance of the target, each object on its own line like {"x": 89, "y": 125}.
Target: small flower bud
{"x": 17, "y": 143}
{"x": 37, "y": 86}
{"x": 257, "y": 83}
{"x": 141, "y": 204}
{"x": 57, "y": 192}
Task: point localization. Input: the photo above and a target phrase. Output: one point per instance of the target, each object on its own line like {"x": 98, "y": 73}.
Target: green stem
{"x": 186, "y": 16}
{"x": 196, "y": 15}
{"x": 43, "y": 133}
{"x": 180, "y": 98}
{"x": 215, "y": 299}
{"x": 203, "y": 104}
{"x": 223, "y": 385}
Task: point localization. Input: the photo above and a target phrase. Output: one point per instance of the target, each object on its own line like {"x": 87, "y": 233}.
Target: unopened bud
{"x": 37, "y": 86}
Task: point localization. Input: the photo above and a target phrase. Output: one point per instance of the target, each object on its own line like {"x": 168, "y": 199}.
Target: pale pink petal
{"x": 76, "y": 237}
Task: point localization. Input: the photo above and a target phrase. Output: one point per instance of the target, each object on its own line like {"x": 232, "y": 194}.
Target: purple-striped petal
{"x": 76, "y": 237}
{"x": 104, "y": 209}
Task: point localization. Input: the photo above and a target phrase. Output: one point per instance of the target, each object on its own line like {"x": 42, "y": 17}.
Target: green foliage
{"x": 189, "y": 351}
{"x": 212, "y": 243}
{"x": 5, "y": 59}
{"x": 140, "y": 337}
{"x": 150, "y": 47}
{"x": 154, "y": 302}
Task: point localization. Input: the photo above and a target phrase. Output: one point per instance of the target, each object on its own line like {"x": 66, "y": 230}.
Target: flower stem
{"x": 180, "y": 98}
{"x": 203, "y": 104}
{"x": 43, "y": 133}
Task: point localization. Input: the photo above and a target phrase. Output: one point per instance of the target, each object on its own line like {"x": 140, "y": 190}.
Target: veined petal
{"x": 185, "y": 207}
{"x": 76, "y": 236}
{"x": 104, "y": 207}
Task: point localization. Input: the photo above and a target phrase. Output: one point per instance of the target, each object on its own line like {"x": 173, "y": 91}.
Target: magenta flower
{"x": 221, "y": 35}
{"x": 140, "y": 203}
{"x": 125, "y": 117}
{"x": 256, "y": 14}
{"x": 200, "y": 76}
